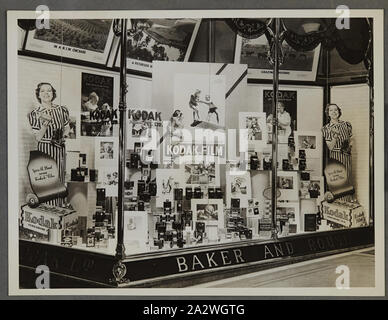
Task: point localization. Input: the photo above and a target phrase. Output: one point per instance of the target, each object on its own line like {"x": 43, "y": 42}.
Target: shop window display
{"x": 198, "y": 158}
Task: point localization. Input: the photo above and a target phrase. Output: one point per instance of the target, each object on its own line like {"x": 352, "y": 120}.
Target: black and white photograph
{"x": 309, "y": 143}
{"x": 288, "y": 219}
{"x": 82, "y": 39}
{"x": 115, "y": 178}
{"x": 288, "y": 185}
{"x": 285, "y": 183}
{"x": 159, "y": 40}
{"x": 238, "y": 185}
{"x": 106, "y": 152}
{"x": 210, "y": 212}
{"x": 202, "y": 100}
{"x": 253, "y": 127}
{"x": 202, "y": 174}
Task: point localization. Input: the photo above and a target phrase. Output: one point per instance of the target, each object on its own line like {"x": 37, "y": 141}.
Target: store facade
{"x": 155, "y": 157}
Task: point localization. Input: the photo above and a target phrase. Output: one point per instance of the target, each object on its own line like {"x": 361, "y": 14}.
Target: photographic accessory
{"x": 189, "y": 193}
{"x": 254, "y": 162}
{"x": 93, "y": 175}
{"x": 167, "y": 204}
{"x": 305, "y": 176}
{"x": 235, "y": 203}
{"x": 178, "y": 194}
{"x": 152, "y": 188}
{"x": 219, "y": 193}
{"x": 211, "y": 193}
{"x": 134, "y": 161}
{"x": 197, "y": 193}
{"x": 141, "y": 186}
{"x": 179, "y": 206}
{"x": 100, "y": 196}
{"x": 141, "y": 206}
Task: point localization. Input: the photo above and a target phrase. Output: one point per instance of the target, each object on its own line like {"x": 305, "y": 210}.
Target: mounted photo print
{"x": 108, "y": 179}
{"x": 106, "y": 152}
{"x": 238, "y": 186}
{"x": 206, "y": 174}
{"x": 310, "y": 142}
{"x": 158, "y": 39}
{"x": 166, "y": 181}
{"x": 254, "y": 127}
{"x": 287, "y": 216}
{"x": 297, "y": 66}
{"x": 208, "y": 211}
{"x": 81, "y": 39}
{"x": 288, "y": 185}
{"x": 201, "y": 98}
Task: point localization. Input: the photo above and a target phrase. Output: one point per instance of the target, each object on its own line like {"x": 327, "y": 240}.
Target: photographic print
{"x": 209, "y": 211}
{"x": 255, "y": 132}
{"x": 169, "y": 94}
{"x": 238, "y": 185}
{"x": 159, "y": 39}
{"x": 288, "y": 185}
{"x": 166, "y": 181}
{"x": 287, "y": 113}
{"x": 202, "y": 174}
{"x": 310, "y": 142}
{"x": 288, "y": 218}
{"x": 81, "y": 39}
{"x": 108, "y": 179}
{"x": 297, "y": 66}
{"x": 201, "y": 99}
{"x": 106, "y": 152}
{"x": 97, "y": 114}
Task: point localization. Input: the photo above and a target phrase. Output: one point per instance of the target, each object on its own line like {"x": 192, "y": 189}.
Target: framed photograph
{"x": 297, "y": 66}
{"x": 238, "y": 185}
{"x": 310, "y": 142}
{"x": 288, "y": 185}
{"x": 208, "y": 211}
{"x": 158, "y": 39}
{"x": 253, "y": 127}
{"x": 287, "y": 215}
{"x": 106, "y": 152}
{"x": 81, "y": 39}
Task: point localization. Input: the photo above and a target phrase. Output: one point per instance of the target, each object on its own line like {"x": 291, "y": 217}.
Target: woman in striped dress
{"x": 50, "y": 125}
{"x": 338, "y": 134}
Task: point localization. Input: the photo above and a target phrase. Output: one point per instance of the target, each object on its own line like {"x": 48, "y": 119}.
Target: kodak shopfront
{"x": 165, "y": 152}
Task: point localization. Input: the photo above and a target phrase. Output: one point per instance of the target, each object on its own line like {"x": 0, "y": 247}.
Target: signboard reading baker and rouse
{"x": 98, "y": 268}
{"x": 313, "y": 243}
